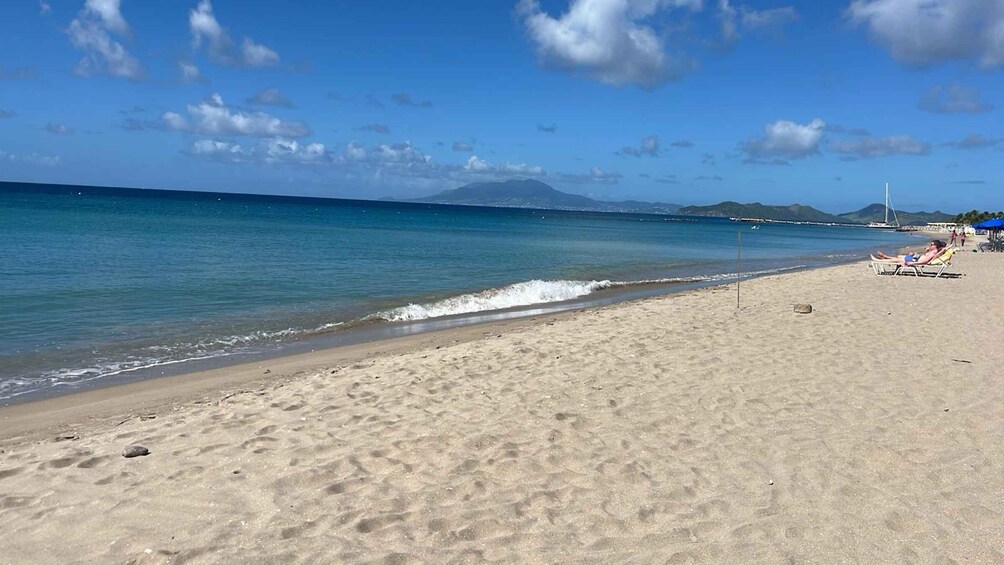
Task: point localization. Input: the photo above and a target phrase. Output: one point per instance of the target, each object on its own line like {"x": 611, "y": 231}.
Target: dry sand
{"x": 668, "y": 430}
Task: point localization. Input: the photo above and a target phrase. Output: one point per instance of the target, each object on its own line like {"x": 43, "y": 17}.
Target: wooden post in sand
{"x": 739, "y": 260}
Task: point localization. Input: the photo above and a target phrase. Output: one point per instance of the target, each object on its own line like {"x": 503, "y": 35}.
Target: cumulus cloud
{"x": 926, "y": 32}
{"x": 213, "y": 117}
{"x": 270, "y": 97}
{"x": 867, "y": 147}
{"x": 58, "y": 129}
{"x": 89, "y": 32}
{"x": 190, "y": 73}
{"x": 402, "y": 162}
{"x": 953, "y": 99}
{"x": 110, "y": 12}
{"x": 209, "y": 34}
{"x": 258, "y": 55}
{"x": 460, "y": 146}
{"x": 375, "y": 128}
{"x": 785, "y": 140}
{"x": 405, "y": 99}
{"x": 613, "y": 41}
{"x": 30, "y": 158}
{"x": 649, "y": 146}
{"x": 733, "y": 19}
{"x": 479, "y": 166}
{"x": 976, "y": 141}
{"x": 547, "y": 128}
{"x": 269, "y": 151}
{"x": 594, "y": 175}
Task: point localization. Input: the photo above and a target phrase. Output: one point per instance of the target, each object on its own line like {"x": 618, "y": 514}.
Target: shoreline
{"x": 28, "y": 420}
{"x": 673, "y": 428}
{"x": 149, "y": 391}
{"x": 363, "y": 330}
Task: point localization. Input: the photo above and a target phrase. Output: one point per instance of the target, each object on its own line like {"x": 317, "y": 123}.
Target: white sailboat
{"x": 885, "y": 225}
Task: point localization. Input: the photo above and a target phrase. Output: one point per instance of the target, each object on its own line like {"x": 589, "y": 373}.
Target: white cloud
{"x": 270, "y": 97}
{"x": 207, "y": 32}
{"x": 190, "y": 73}
{"x": 786, "y": 140}
{"x": 88, "y": 32}
{"x": 766, "y": 19}
{"x": 292, "y": 151}
{"x": 30, "y": 158}
{"x": 110, "y": 12}
{"x": 953, "y": 99}
{"x": 269, "y": 151}
{"x": 595, "y": 175}
{"x": 213, "y": 117}
{"x": 58, "y": 129}
{"x": 867, "y": 147}
{"x": 649, "y": 146}
{"x": 732, "y": 19}
{"x": 976, "y": 141}
{"x": 925, "y": 32}
{"x": 477, "y": 164}
{"x": 612, "y": 41}
{"x": 257, "y": 55}
{"x": 44, "y": 8}
{"x": 401, "y": 162}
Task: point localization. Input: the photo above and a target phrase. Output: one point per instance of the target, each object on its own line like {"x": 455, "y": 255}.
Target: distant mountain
{"x": 791, "y": 213}
{"x": 876, "y": 213}
{"x": 535, "y": 194}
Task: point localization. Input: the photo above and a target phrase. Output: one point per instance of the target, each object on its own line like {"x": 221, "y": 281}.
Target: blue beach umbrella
{"x": 991, "y": 224}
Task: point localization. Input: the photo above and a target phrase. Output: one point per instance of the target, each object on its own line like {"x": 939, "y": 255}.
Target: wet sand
{"x": 673, "y": 429}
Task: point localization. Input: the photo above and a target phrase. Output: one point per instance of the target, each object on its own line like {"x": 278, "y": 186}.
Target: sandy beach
{"x": 677, "y": 429}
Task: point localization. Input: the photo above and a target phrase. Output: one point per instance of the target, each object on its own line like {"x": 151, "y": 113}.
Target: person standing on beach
{"x": 951, "y": 240}
{"x": 962, "y": 238}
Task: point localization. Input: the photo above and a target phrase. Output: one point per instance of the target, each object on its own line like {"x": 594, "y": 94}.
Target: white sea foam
{"x": 534, "y": 292}
{"x": 158, "y": 356}
{"x": 519, "y": 294}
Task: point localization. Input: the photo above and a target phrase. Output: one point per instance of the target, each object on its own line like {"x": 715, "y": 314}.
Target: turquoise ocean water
{"x": 102, "y": 285}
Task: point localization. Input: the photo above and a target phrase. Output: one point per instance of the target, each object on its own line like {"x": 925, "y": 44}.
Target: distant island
{"x": 535, "y": 194}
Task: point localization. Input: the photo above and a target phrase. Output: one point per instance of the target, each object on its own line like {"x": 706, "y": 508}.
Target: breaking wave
{"x": 533, "y": 292}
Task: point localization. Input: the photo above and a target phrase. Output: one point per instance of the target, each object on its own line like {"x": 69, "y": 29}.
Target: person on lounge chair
{"x": 932, "y": 251}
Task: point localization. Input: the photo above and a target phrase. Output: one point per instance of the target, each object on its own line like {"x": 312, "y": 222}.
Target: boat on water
{"x": 885, "y": 225}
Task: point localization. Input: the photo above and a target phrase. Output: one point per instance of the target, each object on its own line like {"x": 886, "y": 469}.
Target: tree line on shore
{"x": 975, "y": 216}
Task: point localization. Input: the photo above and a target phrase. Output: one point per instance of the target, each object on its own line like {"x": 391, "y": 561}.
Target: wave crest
{"x": 520, "y": 294}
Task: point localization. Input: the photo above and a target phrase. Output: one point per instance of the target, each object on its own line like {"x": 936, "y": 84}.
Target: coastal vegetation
{"x": 975, "y": 217}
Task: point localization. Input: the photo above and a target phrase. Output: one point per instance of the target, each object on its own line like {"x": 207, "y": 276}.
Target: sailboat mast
{"x": 887, "y": 203}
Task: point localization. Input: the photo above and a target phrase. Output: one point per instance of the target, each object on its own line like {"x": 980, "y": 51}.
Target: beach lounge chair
{"x": 935, "y": 267}
{"x": 885, "y": 267}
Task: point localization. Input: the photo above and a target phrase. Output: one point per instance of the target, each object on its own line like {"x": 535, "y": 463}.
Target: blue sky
{"x": 678, "y": 101}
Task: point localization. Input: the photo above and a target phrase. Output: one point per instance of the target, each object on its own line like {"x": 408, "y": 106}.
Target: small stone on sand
{"x": 135, "y": 451}
{"x": 803, "y": 308}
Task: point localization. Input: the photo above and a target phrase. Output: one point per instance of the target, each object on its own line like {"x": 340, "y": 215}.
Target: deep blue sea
{"x": 101, "y": 285}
